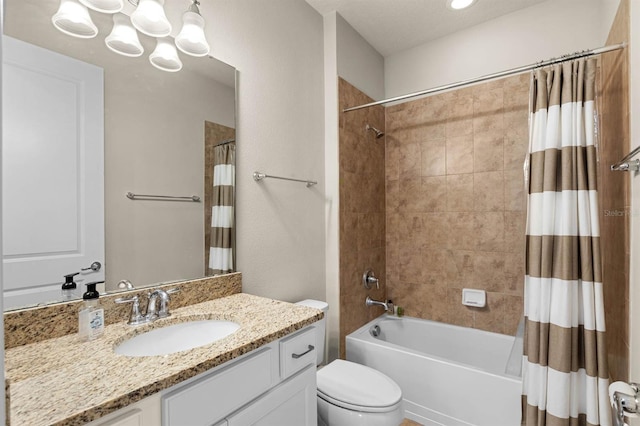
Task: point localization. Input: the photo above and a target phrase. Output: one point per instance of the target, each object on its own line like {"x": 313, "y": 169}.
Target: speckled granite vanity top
{"x": 65, "y": 381}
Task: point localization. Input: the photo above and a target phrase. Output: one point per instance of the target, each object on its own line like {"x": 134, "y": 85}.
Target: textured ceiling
{"x": 392, "y": 26}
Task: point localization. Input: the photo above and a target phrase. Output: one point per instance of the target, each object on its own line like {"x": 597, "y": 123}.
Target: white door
{"x": 53, "y": 172}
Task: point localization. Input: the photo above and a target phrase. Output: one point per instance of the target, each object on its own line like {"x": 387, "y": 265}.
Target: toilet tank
{"x": 321, "y": 326}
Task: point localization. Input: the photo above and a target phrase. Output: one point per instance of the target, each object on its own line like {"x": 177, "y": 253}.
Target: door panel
{"x": 53, "y": 170}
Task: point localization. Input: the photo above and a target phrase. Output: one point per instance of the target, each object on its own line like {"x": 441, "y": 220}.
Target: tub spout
{"x": 388, "y": 305}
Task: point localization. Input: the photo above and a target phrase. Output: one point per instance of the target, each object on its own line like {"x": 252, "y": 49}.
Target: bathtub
{"x": 449, "y": 375}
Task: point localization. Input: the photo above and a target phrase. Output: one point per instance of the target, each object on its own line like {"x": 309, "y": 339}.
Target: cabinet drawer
{"x": 297, "y": 351}
{"x": 209, "y": 399}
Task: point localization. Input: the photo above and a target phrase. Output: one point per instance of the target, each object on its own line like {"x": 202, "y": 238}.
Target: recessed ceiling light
{"x": 459, "y": 4}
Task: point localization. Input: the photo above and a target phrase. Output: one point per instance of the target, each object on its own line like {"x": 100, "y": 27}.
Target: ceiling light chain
{"x": 72, "y": 18}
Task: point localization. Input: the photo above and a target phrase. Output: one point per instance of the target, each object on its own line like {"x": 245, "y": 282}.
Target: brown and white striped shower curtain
{"x": 565, "y": 374}
{"x": 222, "y": 245}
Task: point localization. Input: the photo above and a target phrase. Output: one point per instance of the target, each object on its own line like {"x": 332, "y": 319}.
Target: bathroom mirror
{"x": 155, "y": 128}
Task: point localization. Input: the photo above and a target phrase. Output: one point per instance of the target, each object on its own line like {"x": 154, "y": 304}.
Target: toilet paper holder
{"x": 625, "y": 404}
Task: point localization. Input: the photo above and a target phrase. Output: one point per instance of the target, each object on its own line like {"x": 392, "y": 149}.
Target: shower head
{"x": 378, "y": 133}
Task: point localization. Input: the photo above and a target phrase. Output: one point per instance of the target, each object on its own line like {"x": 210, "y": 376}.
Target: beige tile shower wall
{"x": 455, "y": 213}
{"x": 614, "y": 195}
{"x": 362, "y": 209}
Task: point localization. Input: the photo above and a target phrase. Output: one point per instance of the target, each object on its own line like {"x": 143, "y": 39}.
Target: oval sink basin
{"x": 176, "y": 338}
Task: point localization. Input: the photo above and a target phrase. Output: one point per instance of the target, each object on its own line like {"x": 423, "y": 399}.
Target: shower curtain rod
{"x": 512, "y": 71}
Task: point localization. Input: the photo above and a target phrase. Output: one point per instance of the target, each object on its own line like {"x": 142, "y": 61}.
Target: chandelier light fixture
{"x": 72, "y": 18}
{"x": 149, "y": 18}
{"x": 165, "y": 56}
{"x": 124, "y": 38}
{"x": 191, "y": 39}
{"x": 104, "y": 6}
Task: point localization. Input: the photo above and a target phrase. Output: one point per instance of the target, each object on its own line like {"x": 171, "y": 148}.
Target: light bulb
{"x": 72, "y": 18}
{"x": 124, "y": 38}
{"x": 191, "y": 39}
{"x": 460, "y": 4}
{"x": 104, "y": 6}
{"x": 165, "y": 56}
{"x": 149, "y": 18}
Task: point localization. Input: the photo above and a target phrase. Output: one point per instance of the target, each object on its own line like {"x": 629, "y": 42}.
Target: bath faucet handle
{"x": 135, "y": 317}
{"x": 369, "y": 278}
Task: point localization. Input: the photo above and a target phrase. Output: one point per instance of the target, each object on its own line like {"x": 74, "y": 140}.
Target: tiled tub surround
{"x": 32, "y": 325}
{"x": 455, "y": 203}
{"x": 63, "y": 381}
{"x": 614, "y": 195}
{"x": 362, "y": 210}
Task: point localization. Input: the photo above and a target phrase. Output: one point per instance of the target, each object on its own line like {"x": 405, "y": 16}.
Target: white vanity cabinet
{"x": 272, "y": 385}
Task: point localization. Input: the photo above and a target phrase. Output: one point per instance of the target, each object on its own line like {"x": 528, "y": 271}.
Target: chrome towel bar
{"x": 132, "y": 196}
{"x": 258, "y": 176}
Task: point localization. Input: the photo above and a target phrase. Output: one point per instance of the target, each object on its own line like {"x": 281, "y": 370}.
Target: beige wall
{"x": 545, "y": 30}
{"x": 277, "y": 47}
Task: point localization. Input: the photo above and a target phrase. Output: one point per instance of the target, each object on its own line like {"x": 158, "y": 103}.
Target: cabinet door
{"x": 292, "y": 403}
{"x": 142, "y": 413}
{"x": 130, "y": 418}
{"x": 213, "y": 396}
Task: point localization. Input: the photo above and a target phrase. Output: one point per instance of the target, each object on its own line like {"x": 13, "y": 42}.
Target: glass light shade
{"x": 191, "y": 39}
{"x": 72, "y": 18}
{"x": 149, "y": 18}
{"x": 165, "y": 56}
{"x": 104, "y": 6}
{"x": 124, "y": 38}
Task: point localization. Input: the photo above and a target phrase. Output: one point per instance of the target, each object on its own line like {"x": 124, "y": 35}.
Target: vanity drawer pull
{"x": 296, "y": 356}
{"x": 298, "y": 350}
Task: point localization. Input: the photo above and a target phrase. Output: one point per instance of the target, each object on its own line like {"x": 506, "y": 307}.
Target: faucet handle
{"x": 369, "y": 278}
{"x": 164, "y": 302}
{"x": 135, "y": 318}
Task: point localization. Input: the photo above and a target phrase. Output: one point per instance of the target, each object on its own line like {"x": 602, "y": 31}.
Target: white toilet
{"x": 351, "y": 394}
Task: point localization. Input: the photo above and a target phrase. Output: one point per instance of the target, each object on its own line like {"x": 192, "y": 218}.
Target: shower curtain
{"x": 222, "y": 250}
{"x": 565, "y": 373}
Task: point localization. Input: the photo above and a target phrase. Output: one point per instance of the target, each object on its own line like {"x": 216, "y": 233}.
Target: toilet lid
{"x": 352, "y": 385}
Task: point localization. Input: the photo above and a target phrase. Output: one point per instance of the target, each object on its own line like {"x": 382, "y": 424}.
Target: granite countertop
{"x": 65, "y": 381}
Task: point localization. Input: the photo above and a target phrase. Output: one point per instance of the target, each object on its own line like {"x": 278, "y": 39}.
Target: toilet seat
{"x": 357, "y": 387}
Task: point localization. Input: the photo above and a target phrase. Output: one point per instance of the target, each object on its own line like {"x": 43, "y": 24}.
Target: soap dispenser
{"x": 69, "y": 291}
{"x": 91, "y": 315}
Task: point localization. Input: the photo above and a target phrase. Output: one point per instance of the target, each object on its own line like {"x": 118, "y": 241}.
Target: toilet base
{"x": 332, "y": 415}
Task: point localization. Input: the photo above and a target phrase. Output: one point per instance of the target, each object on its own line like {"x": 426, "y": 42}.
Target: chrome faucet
{"x": 153, "y": 312}
{"x": 388, "y": 305}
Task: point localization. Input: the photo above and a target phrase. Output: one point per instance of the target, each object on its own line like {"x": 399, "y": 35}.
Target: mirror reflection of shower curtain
{"x": 222, "y": 242}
